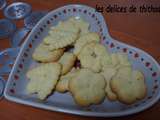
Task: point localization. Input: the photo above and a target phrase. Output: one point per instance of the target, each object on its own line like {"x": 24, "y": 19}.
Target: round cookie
{"x": 128, "y": 85}
{"x": 92, "y": 55}
{"x": 67, "y": 61}
{"x": 43, "y": 79}
{"x": 87, "y": 87}
{"x": 43, "y": 54}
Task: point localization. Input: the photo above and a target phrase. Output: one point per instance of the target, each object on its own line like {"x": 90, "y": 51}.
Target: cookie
{"x": 60, "y": 39}
{"x": 91, "y": 56}
{"x": 62, "y": 35}
{"x": 123, "y": 59}
{"x": 43, "y": 54}
{"x": 84, "y": 40}
{"x": 67, "y": 61}
{"x": 110, "y": 65}
{"x": 106, "y": 61}
{"x": 62, "y": 85}
{"x": 66, "y": 26}
{"x": 87, "y": 87}
{"x": 108, "y": 73}
{"x": 128, "y": 85}
{"x": 42, "y": 79}
{"x": 81, "y": 24}
{"x": 115, "y": 60}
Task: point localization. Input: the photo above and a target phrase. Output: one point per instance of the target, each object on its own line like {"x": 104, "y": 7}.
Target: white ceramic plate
{"x": 15, "y": 89}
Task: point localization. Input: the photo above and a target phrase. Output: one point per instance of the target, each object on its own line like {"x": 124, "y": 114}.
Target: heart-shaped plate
{"x": 15, "y": 89}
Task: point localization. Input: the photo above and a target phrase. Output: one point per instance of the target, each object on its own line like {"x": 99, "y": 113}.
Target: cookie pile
{"x": 72, "y": 59}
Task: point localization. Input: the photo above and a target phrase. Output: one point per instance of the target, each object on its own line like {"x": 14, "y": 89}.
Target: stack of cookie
{"x": 98, "y": 74}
